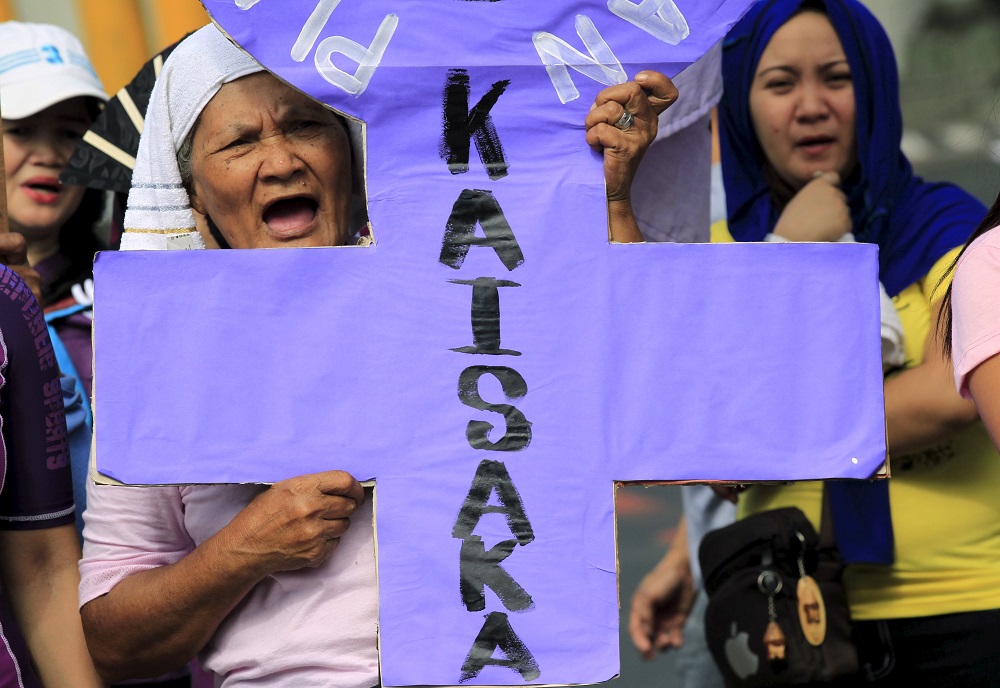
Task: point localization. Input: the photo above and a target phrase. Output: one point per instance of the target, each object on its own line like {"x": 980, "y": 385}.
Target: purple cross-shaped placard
{"x": 582, "y": 363}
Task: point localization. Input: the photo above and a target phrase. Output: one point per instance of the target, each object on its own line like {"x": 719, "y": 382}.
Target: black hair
{"x": 78, "y": 242}
{"x": 216, "y": 233}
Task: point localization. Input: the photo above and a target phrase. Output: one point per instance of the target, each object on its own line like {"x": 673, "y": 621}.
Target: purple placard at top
{"x": 639, "y": 362}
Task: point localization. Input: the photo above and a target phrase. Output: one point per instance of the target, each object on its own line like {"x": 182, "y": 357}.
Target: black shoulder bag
{"x": 777, "y": 613}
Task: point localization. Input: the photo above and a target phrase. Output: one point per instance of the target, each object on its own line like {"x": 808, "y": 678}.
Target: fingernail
{"x": 641, "y": 77}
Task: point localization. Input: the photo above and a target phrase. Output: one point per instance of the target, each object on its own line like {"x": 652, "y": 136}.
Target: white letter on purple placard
{"x": 602, "y": 65}
{"x": 659, "y": 18}
{"x": 367, "y": 58}
{"x": 310, "y": 30}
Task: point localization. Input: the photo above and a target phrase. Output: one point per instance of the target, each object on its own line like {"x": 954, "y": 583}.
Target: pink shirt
{"x": 975, "y": 302}
{"x": 313, "y": 627}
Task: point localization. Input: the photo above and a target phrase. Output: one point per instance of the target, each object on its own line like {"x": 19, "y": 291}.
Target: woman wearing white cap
{"x": 270, "y": 586}
{"x": 48, "y": 92}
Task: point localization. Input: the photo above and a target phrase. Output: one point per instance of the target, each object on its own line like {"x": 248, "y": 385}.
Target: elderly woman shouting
{"x": 265, "y": 583}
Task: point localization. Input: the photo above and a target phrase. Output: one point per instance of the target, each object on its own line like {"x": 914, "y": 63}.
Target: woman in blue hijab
{"x": 810, "y": 133}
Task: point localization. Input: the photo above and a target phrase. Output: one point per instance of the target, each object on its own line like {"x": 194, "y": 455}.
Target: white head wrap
{"x": 159, "y": 211}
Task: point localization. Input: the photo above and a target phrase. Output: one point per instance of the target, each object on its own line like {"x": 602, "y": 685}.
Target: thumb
{"x": 13, "y": 249}
{"x": 659, "y": 89}
{"x": 831, "y": 177}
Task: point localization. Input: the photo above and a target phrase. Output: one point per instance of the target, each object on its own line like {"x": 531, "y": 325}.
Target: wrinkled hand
{"x": 295, "y": 523}
{"x": 660, "y": 607}
{"x": 649, "y": 94}
{"x": 818, "y": 212}
{"x": 14, "y": 254}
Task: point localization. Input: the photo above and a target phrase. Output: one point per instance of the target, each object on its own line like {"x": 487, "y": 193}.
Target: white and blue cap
{"x": 41, "y": 65}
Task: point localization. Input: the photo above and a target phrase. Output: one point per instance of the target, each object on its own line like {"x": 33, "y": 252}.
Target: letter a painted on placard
{"x": 479, "y": 568}
{"x": 602, "y": 66}
{"x": 490, "y": 476}
{"x": 659, "y": 18}
{"x": 462, "y": 126}
{"x": 517, "y": 435}
{"x": 476, "y": 206}
{"x": 497, "y": 633}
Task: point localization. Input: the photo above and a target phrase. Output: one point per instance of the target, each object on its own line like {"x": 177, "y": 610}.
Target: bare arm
{"x": 649, "y": 94}
{"x": 40, "y": 576}
{"x": 622, "y": 225}
{"x": 921, "y": 404}
{"x": 663, "y": 600}
{"x": 172, "y": 612}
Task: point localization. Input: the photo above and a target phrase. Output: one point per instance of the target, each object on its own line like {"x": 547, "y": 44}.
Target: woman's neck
{"x": 781, "y": 191}
{"x": 41, "y": 248}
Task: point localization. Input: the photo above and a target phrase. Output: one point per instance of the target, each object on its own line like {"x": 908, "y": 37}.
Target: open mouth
{"x": 290, "y": 215}
{"x": 50, "y": 188}
{"x": 815, "y": 142}
{"x": 43, "y": 189}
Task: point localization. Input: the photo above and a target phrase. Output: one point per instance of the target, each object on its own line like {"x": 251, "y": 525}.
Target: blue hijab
{"x": 913, "y": 222}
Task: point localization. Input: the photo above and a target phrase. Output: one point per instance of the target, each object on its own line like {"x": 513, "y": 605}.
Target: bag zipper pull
{"x": 770, "y": 584}
{"x": 812, "y": 610}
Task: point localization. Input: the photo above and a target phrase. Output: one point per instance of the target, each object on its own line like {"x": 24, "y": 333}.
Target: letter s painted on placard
{"x": 517, "y": 435}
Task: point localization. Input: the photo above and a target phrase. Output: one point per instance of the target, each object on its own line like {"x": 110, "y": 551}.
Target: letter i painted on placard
{"x": 486, "y": 317}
